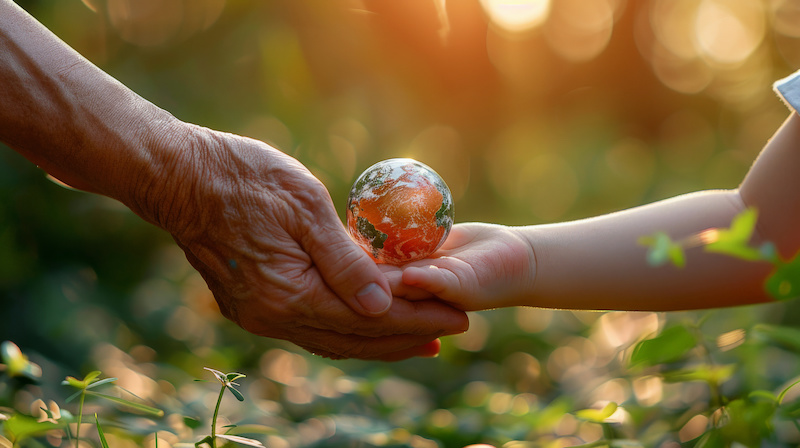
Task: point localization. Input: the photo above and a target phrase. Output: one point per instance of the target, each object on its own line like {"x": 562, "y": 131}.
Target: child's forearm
{"x": 597, "y": 264}
{"x": 773, "y": 187}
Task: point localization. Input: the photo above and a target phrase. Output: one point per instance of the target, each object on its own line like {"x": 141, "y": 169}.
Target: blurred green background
{"x": 533, "y": 111}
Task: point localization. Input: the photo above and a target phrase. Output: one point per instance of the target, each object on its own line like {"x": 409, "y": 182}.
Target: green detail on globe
{"x": 445, "y": 215}
{"x": 375, "y": 236}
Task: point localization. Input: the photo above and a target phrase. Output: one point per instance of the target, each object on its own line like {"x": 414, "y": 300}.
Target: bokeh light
{"x": 150, "y": 23}
{"x": 579, "y": 31}
{"x": 517, "y": 15}
{"x": 534, "y": 111}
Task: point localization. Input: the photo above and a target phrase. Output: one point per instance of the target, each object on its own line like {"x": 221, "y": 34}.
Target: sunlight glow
{"x": 517, "y": 15}
{"x": 579, "y": 30}
{"x": 692, "y": 44}
{"x": 731, "y": 339}
{"x": 622, "y": 329}
{"x": 694, "y": 428}
{"x": 729, "y": 31}
{"x": 785, "y": 17}
{"x": 475, "y": 339}
{"x": 648, "y": 390}
{"x": 152, "y": 23}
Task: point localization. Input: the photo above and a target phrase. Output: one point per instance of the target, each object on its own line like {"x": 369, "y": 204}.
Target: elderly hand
{"x": 262, "y": 231}
{"x": 257, "y": 225}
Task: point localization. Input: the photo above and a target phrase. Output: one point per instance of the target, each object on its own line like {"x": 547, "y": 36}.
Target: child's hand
{"x": 480, "y": 266}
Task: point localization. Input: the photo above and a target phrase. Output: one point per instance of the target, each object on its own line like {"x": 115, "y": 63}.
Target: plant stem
{"x": 608, "y": 432}
{"x": 80, "y": 414}
{"x": 214, "y": 419}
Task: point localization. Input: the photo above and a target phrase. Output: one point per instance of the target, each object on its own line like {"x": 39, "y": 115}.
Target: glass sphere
{"x": 399, "y": 210}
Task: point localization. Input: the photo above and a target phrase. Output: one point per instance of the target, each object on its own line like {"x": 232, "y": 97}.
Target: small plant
{"x": 783, "y": 283}
{"x": 227, "y": 382}
{"x": 600, "y": 417}
{"x": 86, "y": 387}
{"x": 16, "y": 365}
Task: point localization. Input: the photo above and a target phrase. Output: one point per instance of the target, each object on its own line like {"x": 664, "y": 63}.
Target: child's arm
{"x": 596, "y": 263}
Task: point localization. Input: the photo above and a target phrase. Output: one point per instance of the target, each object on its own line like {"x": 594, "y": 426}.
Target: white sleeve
{"x": 789, "y": 90}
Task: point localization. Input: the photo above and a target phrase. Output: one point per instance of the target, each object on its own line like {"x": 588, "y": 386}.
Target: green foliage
{"x": 85, "y": 284}
{"x": 227, "y": 382}
{"x": 19, "y": 427}
{"x": 597, "y": 415}
{"x": 663, "y": 250}
{"x": 17, "y": 364}
{"x": 671, "y": 345}
{"x": 734, "y": 241}
{"x": 101, "y": 434}
{"x": 384, "y": 410}
{"x": 784, "y": 281}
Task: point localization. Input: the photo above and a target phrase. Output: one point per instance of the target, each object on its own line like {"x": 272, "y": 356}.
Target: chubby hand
{"x": 479, "y": 266}
{"x": 264, "y": 234}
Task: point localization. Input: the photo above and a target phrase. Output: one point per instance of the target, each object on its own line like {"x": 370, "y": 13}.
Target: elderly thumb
{"x": 351, "y": 274}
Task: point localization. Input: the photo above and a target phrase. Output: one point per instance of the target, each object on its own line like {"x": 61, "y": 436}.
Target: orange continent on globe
{"x": 399, "y": 210}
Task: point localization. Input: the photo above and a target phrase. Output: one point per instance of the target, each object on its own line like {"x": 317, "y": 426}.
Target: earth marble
{"x": 399, "y": 210}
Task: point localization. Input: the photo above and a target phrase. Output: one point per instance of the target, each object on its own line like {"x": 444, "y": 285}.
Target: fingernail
{"x": 374, "y": 299}
{"x": 432, "y": 349}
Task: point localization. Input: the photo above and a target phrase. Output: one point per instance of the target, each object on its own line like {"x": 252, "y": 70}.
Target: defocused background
{"x": 533, "y": 111}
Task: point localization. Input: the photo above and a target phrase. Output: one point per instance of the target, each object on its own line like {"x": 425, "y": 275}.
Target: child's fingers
{"x": 399, "y": 289}
{"x": 440, "y": 282}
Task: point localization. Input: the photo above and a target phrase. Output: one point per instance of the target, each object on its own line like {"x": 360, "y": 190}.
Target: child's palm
{"x": 480, "y": 266}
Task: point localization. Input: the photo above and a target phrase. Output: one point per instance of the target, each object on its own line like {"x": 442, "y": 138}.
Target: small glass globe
{"x": 399, "y": 210}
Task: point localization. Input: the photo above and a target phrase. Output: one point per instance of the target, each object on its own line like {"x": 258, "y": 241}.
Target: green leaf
{"x": 769, "y": 252}
{"x": 663, "y": 249}
{"x": 734, "y": 240}
{"x": 671, "y": 345}
{"x": 711, "y": 439}
{"x": 192, "y": 423}
{"x": 252, "y": 429}
{"x": 10, "y": 353}
{"x": 710, "y": 374}
{"x": 749, "y": 422}
{"x": 91, "y": 376}
{"x": 762, "y": 395}
{"x": 240, "y": 440}
{"x": 206, "y": 440}
{"x": 17, "y": 364}
{"x": 100, "y": 432}
{"x": 784, "y": 282}
{"x": 73, "y": 396}
{"x": 236, "y": 393}
{"x": 19, "y": 427}
{"x": 221, "y": 377}
{"x": 81, "y": 384}
{"x": 233, "y": 376}
{"x": 129, "y": 404}
{"x": 782, "y": 395}
{"x": 597, "y": 415}
{"x": 72, "y": 381}
{"x": 789, "y": 337}
{"x": 101, "y": 382}
{"x": 624, "y": 443}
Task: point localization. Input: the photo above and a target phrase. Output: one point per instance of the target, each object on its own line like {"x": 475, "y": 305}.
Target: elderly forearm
{"x": 76, "y": 122}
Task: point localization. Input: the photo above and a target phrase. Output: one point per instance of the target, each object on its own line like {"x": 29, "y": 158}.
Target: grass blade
{"x": 100, "y": 432}
{"x": 129, "y": 404}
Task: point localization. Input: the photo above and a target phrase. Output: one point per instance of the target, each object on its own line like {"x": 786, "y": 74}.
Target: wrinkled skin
{"x": 264, "y": 234}
{"x": 260, "y": 229}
